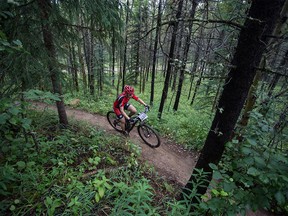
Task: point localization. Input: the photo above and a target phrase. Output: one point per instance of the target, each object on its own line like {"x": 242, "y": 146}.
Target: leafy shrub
{"x": 12, "y": 120}
{"x": 251, "y": 177}
{"x": 64, "y": 176}
{"x": 185, "y": 207}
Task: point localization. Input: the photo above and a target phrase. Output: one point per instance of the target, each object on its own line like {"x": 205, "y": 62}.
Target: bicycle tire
{"x": 111, "y": 117}
{"x": 149, "y": 135}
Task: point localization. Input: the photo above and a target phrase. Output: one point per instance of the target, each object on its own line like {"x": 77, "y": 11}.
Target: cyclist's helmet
{"x": 128, "y": 89}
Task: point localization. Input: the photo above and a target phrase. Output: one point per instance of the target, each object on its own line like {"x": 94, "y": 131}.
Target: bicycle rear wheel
{"x": 113, "y": 121}
{"x": 149, "y": 135}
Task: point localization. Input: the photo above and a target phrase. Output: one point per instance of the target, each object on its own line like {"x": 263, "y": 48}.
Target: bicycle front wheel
{"x": 113, "y": 121}
{"x": 149, "y": 136}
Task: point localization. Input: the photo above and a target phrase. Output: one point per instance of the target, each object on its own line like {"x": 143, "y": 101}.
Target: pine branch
{"x": 76, "y": 26}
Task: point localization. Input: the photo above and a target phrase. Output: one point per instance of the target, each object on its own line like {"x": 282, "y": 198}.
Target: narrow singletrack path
{"x": 170, "y": 160}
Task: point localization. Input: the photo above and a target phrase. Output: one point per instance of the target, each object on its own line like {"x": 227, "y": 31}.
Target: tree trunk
{"x": 178, "y": 63}
{"x": 138, "y": 36}
{"x": 260, "y": 22}
{"x": 147, "y": 64}
{"x": 45, "y": 8}
{"x": 82, "y": 67}
{"x": 144, "y": 71}
{"x": 278, "y": 127}
{"x": 74, "y": 69}
{"x": 125, "y": 46}
{"x": 198, "y": 83}
{"x": 196, "y": 61}
{"x": 251, "y": 99}
{"x": 277, "y": 76}
{"x": 100, "y": 68}
{"x": 80, "y": 55}
{"x": 185, "y": 55}
{"x": 91, "y": 72}
{"x": 155, "y": 53}
{"x": 206, "y": 54}
{"x": 216, "y": 96}
{"x": 170, "y": 60}
{"x": 113, "y": 59}
{"x": 88, "y": 52}
{"x": 119, "y": 77}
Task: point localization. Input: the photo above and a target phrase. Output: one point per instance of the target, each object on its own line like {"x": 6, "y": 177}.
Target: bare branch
{"x": 273, "y": 97}
{"x": 271, "y": 71}
{"x": 172, "y": 22}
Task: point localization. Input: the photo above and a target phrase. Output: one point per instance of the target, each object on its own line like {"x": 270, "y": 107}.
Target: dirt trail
{"x": 170, "y": 160}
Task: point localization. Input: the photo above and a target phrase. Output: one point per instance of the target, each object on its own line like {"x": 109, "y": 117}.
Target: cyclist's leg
{"x": 120, "y": 118}
{"x": 131, "y": 109}
{"x": 122, "y": 123}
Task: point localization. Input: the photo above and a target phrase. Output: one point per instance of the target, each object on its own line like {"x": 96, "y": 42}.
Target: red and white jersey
{"x": 122, "y": 100}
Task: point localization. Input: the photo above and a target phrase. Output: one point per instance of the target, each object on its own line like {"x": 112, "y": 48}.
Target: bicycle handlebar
{"x": 136, "y": 118}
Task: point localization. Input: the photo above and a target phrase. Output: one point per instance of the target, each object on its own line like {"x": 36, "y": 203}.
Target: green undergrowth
{"x": 252, "y": 173}
{"x": 256, "y": 180}
{"x": 80, "y": 170}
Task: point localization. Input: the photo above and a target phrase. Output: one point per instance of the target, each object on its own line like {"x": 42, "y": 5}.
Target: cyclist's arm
{"x": 141, "y": 102}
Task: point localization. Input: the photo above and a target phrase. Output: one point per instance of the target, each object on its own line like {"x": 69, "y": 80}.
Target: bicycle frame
{"x": 137, "y": 119}
{"x": 146, "y": 133}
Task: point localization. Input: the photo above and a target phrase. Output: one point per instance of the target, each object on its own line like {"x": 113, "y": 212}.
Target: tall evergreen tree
{"x": 45, "y": 8}
{"x": 125, "y": 45}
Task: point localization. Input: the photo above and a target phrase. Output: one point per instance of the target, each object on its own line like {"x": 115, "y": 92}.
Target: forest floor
{"x": 170, "y": 160}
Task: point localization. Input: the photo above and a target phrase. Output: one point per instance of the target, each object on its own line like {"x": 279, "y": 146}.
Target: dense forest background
{"x": 213, "y": 71}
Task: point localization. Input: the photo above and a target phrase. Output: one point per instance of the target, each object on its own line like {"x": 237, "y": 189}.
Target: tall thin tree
{"x": 125, "y": 45}
{"x": 185, "y": 54}
{"x": 45, "y": 9}
{"x": 171, "y": 58}
{"x": 157, "y": 34}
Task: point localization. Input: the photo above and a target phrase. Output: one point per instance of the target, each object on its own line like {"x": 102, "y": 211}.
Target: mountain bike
{"x": 147, "y": 133}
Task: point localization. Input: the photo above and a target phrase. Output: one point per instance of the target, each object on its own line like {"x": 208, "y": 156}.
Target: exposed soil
{"x": 170, "y": 160}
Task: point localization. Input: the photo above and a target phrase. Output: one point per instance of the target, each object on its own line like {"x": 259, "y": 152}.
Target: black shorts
{"x": 126, "y": 106}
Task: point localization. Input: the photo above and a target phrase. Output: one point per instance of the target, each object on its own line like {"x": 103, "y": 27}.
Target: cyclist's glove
{"x": 147, "y": 107}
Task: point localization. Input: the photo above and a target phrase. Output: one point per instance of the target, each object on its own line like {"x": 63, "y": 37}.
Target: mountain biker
{"x": 121, "y": 104}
